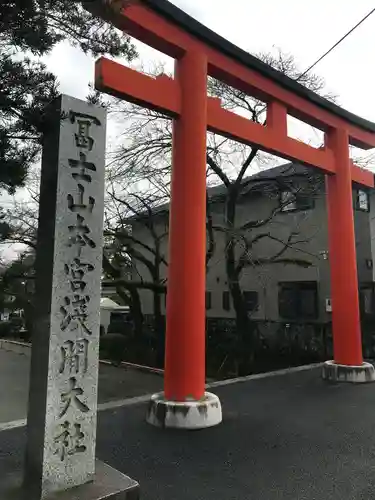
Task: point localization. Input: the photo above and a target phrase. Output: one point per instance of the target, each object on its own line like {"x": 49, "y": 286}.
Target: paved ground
{"x": 284, "y": 438}
{"x": 114, "y": 384}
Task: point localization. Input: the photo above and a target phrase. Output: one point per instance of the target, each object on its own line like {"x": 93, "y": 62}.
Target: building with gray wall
{"x": 294, "y": 287}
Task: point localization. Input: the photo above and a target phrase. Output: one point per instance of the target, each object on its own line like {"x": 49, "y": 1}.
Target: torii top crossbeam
{"x": 163, "y": 26}
{"x": 198, "y": 53}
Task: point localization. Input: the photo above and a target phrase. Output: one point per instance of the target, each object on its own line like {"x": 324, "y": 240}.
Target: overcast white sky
{"x": 305, "y": 29}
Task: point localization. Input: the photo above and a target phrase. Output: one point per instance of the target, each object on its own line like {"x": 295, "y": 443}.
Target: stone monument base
{"x": 109, "y": 484}
{"x": 184, "y": 414}
{"x": 345, "y": 373}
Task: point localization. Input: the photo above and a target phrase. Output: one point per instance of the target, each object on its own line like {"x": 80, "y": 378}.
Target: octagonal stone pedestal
{"x": 109, "y": 484}
{"x": 345, "y": 373}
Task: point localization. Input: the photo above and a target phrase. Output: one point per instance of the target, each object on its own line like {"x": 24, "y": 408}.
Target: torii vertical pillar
{"x": 348, "y": 362}
{"x": 184, "y": 403}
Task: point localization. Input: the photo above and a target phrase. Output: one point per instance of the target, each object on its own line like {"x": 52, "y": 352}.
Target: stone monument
{"x": 62, "y": 414}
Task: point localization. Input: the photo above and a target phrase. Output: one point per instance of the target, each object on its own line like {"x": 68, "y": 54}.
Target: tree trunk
{"x": 136, "y": 312}
{"x": 134, "y": 301}
{"x": 159, "y": 332}
{"x": 159, "y": 327}
{"x": 244, "y": 343}
{"x": 29, "y": 318}
{"x": 135, "y": 306}
{"x": 244, "y": 350}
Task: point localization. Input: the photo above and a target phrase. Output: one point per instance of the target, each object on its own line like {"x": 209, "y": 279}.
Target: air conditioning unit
{"x": 328, "y": 306}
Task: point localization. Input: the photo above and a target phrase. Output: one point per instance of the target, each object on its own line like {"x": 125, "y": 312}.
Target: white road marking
{"x": 257, "y": 376}
{"x": 111, "y": 405}
{"x": 14, "y": 424}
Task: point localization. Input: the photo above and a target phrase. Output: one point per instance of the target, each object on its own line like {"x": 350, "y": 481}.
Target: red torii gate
{"x": 199, "y": 52}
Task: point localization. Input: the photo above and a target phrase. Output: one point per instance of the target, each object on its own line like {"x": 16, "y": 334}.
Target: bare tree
{"x": 144, "y": 161}
{"x": 129, "y": 252}
{"x": 21, "y": 219}
{"x": 19, "y": 229}
{"x": 138, "y": 183}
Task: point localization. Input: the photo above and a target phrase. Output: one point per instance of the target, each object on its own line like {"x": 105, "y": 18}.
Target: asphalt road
{"x": 291, "y": 437}
{"x": 114, "y": 384}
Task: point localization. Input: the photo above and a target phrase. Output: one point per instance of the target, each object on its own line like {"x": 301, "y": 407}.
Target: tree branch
{"x": 218, "y": 171}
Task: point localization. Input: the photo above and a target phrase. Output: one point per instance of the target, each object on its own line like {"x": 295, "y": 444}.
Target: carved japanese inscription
{"x": 71, "y": 250}
{"x": 74, "y": 308}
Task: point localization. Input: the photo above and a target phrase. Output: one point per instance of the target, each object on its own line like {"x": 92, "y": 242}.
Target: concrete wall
{"x": 264, "y": 279}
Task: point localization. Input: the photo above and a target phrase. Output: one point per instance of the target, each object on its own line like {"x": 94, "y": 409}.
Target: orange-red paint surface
{"x": 163, "y": 94}
{"x": 161, "y": 34}
{"x": 185, "y": 334}
{"x": 342, "y": 257}
{"x": 185, "y": 100}
{"x": 159, "y": 93}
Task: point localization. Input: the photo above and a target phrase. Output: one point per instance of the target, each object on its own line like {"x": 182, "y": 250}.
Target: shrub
{"x": 113, "y": 347}
{"x": 121, "y": 326}
{"x": 6, "y": 329}
{"x": 24, "y": 335}
{"x": 16, "y": 323}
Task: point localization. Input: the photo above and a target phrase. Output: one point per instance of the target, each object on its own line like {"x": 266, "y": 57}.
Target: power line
{"x": 336, "y": 44}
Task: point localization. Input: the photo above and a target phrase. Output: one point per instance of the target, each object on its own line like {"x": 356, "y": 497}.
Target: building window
{"x": 208, "y": 300}
{"x": 251, "y": 300}
{"x": 361, "y": 200}
{"x": 298, "y": 300}
{"x": 226, "y": 301}
{"x": 294, "y": 202}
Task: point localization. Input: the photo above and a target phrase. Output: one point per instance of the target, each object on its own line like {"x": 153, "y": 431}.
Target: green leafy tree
{"x": 30, "y": 29}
